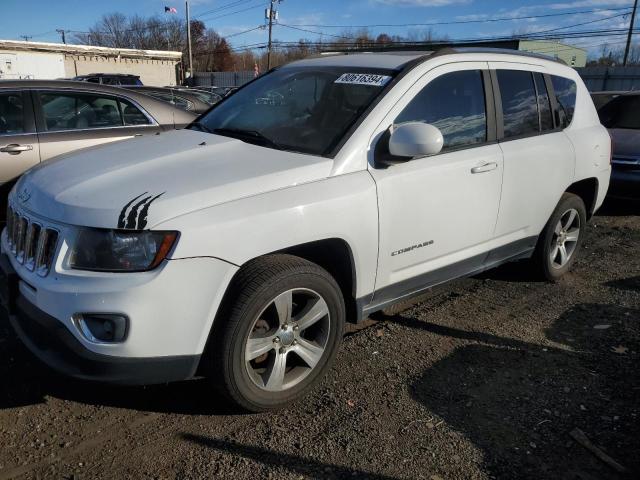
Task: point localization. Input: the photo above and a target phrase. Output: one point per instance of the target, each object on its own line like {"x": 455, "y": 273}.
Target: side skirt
{"x": 413, "y": 287}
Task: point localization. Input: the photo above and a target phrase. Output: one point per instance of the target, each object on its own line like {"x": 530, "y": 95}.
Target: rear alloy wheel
{"x": 561, "y": 240}
{"x": 565, "y": 238}
{"x": 278, "y": 335}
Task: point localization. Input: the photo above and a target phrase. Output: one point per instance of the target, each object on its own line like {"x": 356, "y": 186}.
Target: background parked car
{"x": 600, "y": 99}
{"x": 208, "y": 97}
{"x": 621, "y": 115}
{"x": 184, "y": 99}
{"x": 109, "y": 79}
{"x": 223, "y": 91}
{"x": 40, "y": 119}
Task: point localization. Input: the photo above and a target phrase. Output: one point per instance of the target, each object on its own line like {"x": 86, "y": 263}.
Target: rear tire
{"x": 278, "y": 335}
{"x": 561, "y": 239}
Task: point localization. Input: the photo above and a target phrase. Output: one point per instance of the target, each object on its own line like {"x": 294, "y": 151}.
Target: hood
{"x": 626, "y": 142}
{"x": 142, "y": 182}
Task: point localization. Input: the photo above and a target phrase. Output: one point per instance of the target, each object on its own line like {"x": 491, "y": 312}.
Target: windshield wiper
{"x": 250, "y": 136}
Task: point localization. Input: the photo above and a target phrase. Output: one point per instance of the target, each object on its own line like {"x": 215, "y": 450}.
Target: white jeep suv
{"x": 319, "y": 193}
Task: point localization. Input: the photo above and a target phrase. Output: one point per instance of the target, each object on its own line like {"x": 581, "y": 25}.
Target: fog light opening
{"x": 102, "y": 328}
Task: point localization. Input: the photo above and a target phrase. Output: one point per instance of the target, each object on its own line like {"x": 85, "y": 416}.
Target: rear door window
{"x": 565, "y": 90}
{"x": 132, "y": 115}
{"x": 519, "y": 103}
{"x": 11, "y": 114}
{"x": 455, "y": 103}
{"x": 79, "y": 111}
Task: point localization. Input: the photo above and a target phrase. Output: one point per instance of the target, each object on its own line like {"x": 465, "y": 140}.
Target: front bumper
{"x": 52, "y": 343}
{"x": 170, "y": 312}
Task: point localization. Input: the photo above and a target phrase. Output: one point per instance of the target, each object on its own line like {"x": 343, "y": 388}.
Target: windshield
{"x": 621, "y": 112}
{"x": 306, "y": 110}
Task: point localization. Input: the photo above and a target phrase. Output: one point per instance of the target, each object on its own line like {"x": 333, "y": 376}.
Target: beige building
{"x": 572, "y": 56}
{"x": 56, "y": 60}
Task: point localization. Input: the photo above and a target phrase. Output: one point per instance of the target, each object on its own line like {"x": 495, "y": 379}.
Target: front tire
{"x": 561, "y": 240}
{"x": 279, "y": 334}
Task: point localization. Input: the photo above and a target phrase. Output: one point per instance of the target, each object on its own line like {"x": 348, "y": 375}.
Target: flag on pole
{"x": 170, "y": 10}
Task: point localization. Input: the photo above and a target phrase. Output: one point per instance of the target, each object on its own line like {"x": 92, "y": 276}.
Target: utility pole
{"x": 189, "y": 41}
{"x": 633, "y": 17}
{"x": 62, "y": 32}
{"x": 26, "y": 37}
{"x": 271, "y": 14}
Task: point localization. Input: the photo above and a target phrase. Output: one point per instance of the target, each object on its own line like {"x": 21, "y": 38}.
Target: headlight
{"x": 120, "y": 250}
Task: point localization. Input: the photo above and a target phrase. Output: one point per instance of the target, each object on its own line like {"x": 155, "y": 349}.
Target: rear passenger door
{"x": 19, "y": 148}
{"x": 71, "y": 120}
{"x": 539, "y": 160}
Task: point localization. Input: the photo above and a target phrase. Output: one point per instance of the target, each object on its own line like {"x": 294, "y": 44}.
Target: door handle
{"x": 486, "y": 167}
{"x": 15, "y": 149}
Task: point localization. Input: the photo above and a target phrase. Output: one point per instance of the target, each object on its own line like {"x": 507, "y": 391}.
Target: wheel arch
{"x": 333, "y": 254}
{"x": 587, "y": 190}
{"x": 336, "y": 257}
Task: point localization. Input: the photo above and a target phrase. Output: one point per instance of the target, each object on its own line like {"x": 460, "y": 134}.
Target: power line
{"x": 311, "y": 31}
{"x": 260, "y": 5}
{"x": 222, "y": 7}
{"x": 259, "y": 27}
{"x": 532, "y": 33}
{"x": 461, "y": 22}
{"x": 578, "y": 34}
{"x": 585, "y": 23}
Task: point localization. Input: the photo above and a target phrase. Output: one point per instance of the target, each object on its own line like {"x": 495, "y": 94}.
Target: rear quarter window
{"x": 565, "y": 90}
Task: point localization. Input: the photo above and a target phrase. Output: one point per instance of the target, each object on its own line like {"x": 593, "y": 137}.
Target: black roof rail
{"x": 436, "y": 50}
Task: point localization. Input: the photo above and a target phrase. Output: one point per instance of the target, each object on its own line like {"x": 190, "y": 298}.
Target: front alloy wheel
{"x": 287, "y": 340}
{"x": 278, "y": 334}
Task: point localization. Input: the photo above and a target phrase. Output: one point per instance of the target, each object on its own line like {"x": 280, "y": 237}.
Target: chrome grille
{"x": 31, "y": 243}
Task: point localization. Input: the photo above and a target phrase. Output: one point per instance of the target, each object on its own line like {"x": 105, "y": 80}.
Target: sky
{"x": 40, "y": 18}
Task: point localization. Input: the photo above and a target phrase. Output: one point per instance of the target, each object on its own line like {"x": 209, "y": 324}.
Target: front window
{"x": 77, "y": 111}
{"x": 455, "y": 104}
{"x": 307, "y": 110}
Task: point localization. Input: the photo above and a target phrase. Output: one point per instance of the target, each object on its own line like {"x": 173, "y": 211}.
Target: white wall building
{"x": 56, "y": 60}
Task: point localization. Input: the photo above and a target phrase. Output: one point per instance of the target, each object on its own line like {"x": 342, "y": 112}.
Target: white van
{"x": 319, "y": 193}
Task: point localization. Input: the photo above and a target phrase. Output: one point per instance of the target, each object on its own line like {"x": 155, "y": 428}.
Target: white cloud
{"x": 589, "y": 3}
{"x": 424, "y": 3}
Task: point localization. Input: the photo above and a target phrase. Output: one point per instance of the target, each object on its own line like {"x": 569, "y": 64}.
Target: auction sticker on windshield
{"x": 363, "y": 79}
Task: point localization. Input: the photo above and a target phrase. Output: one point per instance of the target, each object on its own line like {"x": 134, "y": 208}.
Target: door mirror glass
{"x": 415, "y": 139}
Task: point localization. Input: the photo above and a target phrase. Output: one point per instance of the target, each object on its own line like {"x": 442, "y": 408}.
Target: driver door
{"x": 438, "y": 213}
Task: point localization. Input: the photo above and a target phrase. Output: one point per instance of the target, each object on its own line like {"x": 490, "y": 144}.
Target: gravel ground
{"x": 482, "y": 380}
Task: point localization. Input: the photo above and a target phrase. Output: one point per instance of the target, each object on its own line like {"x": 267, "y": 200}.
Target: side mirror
{"x": 415, "y": 139}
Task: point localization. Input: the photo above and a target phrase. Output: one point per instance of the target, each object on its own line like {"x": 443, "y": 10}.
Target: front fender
{"x": 342, "y": 207}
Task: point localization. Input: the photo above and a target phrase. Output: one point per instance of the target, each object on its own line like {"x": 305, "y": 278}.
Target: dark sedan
{"x": 621, "y": 116}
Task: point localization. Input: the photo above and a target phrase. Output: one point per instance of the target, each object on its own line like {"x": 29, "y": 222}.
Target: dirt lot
{"x": 483, "y": 380}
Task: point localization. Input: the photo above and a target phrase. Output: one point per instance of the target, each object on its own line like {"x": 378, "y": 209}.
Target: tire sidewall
{"x": 251, "y": 396}
{"x": 568, "y": 202}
